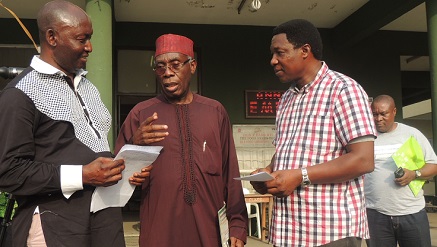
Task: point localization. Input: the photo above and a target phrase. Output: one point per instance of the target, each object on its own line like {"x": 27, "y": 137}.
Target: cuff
{"x": 71, "y": 179}
{"x": 238, "y": 232}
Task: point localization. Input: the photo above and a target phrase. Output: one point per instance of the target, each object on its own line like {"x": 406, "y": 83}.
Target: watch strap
{"x": 418, "y": 173}
{"x": 305, "y": 179}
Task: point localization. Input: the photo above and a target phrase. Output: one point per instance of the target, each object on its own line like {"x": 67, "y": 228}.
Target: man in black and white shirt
{"x": 53, "y": 141}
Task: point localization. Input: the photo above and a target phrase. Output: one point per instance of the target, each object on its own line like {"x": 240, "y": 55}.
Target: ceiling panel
{"x": 323, "y": 13}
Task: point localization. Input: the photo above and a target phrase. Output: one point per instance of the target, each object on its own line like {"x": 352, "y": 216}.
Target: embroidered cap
{"x": 174, "y": 43}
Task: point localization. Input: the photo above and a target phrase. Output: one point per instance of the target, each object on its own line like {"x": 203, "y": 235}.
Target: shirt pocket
{"x": 210, "y": 159}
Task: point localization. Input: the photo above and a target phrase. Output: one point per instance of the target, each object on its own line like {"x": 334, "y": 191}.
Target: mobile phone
{"x": 399, "y": 172}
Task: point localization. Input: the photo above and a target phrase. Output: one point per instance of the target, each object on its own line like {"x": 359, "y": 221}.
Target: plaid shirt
{"x": 314, "y": 125}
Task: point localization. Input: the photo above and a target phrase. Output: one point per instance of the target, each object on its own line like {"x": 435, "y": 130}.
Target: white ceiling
{"x": 414, "y": 20}
{"x": 323, "y": 13}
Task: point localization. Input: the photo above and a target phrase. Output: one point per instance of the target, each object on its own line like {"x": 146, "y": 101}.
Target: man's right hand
{"x": 102, "y": 172}
{"x": 260, "y": 187}
{"x": 149, "y": 133}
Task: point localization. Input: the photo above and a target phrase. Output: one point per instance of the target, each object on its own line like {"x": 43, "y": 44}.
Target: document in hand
{"x": 224, "y": 226}
{"x": 410, "y": 156}
{"x": 257, "y": 177}
{"x": 135, "y": 157}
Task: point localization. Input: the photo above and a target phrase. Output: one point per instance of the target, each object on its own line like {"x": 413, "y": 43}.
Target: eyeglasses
{"x": 175, "y": 66}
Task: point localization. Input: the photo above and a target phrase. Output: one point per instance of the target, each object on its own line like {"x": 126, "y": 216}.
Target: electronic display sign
{"x": 262, "y": 103}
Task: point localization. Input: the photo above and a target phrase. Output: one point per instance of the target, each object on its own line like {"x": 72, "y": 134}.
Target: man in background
{"x": 324, "y": 146}
{"x": 193, "y": 177}
{"x": 397, "y": 216}
{"x": 53, "y": 141}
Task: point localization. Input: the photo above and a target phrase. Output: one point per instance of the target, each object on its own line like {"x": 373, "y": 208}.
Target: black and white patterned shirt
{"x": 47, "y": 122}
{"x": 49, "y": 90}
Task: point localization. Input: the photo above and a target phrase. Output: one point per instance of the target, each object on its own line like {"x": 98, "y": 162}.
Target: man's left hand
{"x": 138, "y": 178}
{"x": 235, "y": 242}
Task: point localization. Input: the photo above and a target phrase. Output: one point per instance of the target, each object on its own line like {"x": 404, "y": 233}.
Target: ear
{"x": 51, "y": 37}
{"x": 193, "y": 66}
{"x": 306, "y": 50}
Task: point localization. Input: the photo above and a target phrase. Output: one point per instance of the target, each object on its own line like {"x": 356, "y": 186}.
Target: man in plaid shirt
{"x": 324, "y": 146}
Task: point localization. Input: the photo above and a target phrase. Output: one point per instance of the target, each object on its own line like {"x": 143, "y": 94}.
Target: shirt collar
{"x": 322, "y": 71}
{"x": 46, "y": 68}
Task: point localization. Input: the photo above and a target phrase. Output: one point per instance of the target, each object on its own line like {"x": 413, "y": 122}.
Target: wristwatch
{"x": 305, "y": 179}
{"x": 418, "y": 173}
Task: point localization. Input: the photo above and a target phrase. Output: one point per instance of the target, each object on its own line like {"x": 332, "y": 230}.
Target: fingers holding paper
{"x": 103, "y": 172}
{"x": 138, "y": 178}
{"x": 136, "y": 158}
{"x": 284, "y": 182}
{"x": 260, "y": 187}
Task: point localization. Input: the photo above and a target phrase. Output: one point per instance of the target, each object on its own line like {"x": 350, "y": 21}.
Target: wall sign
{"x": 254, "y": 135}
{"x": 262, "y": 103}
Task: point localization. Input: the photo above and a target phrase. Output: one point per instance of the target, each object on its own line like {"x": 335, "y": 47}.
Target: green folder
{"x": 410, "y": 156}
{"x": 4, "y": 203}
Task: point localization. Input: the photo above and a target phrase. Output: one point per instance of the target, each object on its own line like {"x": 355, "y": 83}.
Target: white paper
{"x": 257, "y": 177}
{"x": 135, "y": 157}
{"x": 224, "y": 226}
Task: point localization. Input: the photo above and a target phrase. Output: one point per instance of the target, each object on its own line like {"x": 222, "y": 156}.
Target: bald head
{"x": 386, "y": 99}
{"x": 57, "y": 14}
{"x": 384, "y": 113}
{"x": 65, "y": 32}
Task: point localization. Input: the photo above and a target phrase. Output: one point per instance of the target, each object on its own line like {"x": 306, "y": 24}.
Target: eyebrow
{"x": 381, "y": 113}
{"x": 171, "y": 60}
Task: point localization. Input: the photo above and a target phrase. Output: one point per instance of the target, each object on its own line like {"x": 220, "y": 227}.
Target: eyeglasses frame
{"x": 168, "y": 66}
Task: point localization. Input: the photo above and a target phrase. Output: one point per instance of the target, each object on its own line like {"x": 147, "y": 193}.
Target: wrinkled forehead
{"x": 382, "y": 106}
{"x": 170, "y": 57}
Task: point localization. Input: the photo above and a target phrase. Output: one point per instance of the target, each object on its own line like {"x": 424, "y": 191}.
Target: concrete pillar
{"x": 99, "y": 63}
{"x": 431, "y": 15}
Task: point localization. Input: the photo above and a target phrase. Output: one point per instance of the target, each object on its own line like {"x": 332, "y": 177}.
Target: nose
{"x": 168, "y": 71}
{"x": 89, "y": 47}
{"x": 273, "y": 61}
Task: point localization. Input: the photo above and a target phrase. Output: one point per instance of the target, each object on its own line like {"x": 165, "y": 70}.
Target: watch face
{"x": 418, "y": 173}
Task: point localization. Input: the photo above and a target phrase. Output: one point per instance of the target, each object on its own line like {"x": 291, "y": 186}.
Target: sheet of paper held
{"x": 135, "y": 157}
{"x": 257, "y": 177}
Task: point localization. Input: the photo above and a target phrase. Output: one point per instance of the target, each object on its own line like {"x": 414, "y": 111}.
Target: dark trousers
{"x": 410, "y": 230}
{"x": 345, "y": 242}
